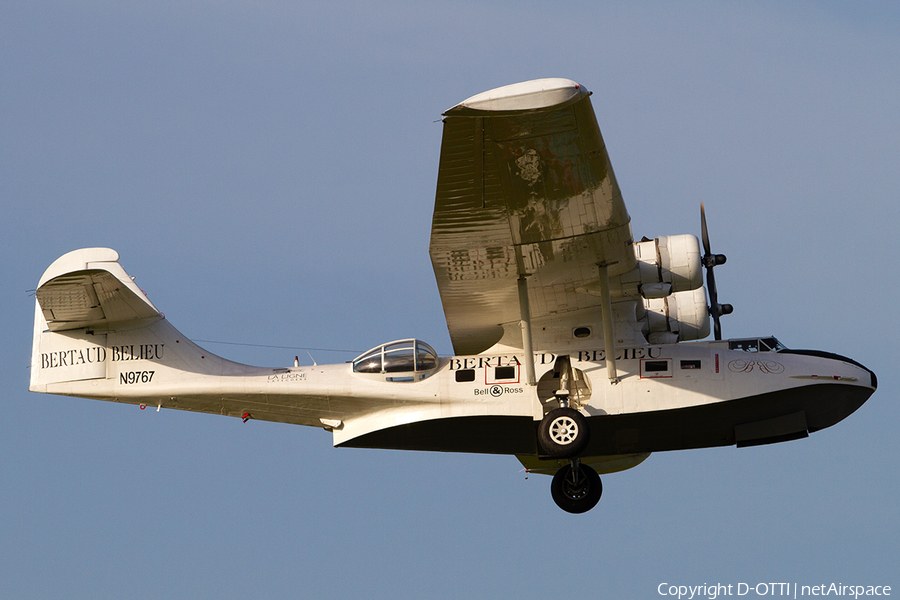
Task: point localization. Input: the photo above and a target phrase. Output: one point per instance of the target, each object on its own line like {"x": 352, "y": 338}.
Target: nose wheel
{"x": 576, "y": 488}
{"x": 563, "y": 433}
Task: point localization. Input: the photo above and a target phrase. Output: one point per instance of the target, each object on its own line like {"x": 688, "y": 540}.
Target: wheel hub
{"x": 575, "y": 485}
{"x": 564, "y": 430}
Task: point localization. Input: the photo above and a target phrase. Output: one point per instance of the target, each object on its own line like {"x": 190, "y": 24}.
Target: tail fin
{"x": 97, "y": 336}
{"x": 92, "y": 323}
{"x": 80, "y": 297}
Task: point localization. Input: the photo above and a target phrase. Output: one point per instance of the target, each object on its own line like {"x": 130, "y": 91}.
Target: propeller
{"x": 710, "y": 260}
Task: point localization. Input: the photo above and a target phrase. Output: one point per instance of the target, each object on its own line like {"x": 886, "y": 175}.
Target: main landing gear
{"x": 576, "y": 488}
{"x": 564, "y": 433}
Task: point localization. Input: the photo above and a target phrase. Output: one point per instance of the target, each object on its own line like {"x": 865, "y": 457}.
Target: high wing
{"x": 525, "y": 191}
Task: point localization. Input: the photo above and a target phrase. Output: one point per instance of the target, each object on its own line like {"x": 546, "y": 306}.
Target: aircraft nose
{"x": 872, "y": 378}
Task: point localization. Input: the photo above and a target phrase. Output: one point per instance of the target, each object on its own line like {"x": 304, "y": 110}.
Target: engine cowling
{"x": 669, "y": 263}
{"x": 668, "y": 300}
{"x": 681, "y": 316}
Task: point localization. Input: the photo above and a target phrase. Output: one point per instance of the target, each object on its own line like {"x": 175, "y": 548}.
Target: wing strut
{"x": 606, "y": 313}
{"x": 525, "y": 316}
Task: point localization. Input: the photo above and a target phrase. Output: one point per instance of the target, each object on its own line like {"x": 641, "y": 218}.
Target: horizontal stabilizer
{"x": 88, "y": 288}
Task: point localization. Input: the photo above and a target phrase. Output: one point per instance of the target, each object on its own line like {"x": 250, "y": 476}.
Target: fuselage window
{"x": 465, "y": 375}
{"x": 508, "y": 372}
{"x": 690, "y": 364}
{"x": 656, "y": 366}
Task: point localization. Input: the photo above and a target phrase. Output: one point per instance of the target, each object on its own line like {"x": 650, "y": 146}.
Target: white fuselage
{"x": 155, "y": 365}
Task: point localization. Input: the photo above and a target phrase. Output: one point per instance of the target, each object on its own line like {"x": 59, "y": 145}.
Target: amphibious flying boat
{"x": 577, "y": 349}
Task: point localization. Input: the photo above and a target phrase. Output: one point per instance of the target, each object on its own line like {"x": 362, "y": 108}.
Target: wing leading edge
{"x": 525, "y": 189}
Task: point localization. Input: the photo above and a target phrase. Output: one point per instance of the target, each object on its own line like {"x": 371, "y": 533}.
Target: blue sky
{"x": 266, "y": 171}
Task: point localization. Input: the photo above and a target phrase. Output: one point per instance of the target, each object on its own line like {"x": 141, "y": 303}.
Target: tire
{"x": 576, "y": 495}
{"x": 564, "y": 433}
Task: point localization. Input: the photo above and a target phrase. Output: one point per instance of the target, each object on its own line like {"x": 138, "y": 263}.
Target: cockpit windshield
{"x": 768, "y": 344}
{"x": 403, "y": 357}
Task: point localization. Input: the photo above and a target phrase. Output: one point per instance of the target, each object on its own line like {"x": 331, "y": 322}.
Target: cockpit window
{"x": 769, "y": 344}
{"x": 772, "y": 344}
{"x": 399, "y": 357}
{"x": 402, "y": 356}
{"x": 426, "y": 358}
{"x": 745, "y": 345}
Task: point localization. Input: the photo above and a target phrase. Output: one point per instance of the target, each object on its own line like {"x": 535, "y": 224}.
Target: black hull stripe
{"x": 705, "y": 426}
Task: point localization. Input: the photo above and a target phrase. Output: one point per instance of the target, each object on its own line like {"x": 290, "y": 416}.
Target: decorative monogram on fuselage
{"x": 746, "y": 366}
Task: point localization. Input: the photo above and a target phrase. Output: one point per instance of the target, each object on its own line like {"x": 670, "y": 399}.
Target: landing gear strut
{"x": 564, "y": 431}
{"x": 576, "y": 488}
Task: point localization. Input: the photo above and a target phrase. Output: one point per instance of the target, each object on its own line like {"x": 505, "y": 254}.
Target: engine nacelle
{"x": 670, "y": 263}
{"x": 680, "y": 316}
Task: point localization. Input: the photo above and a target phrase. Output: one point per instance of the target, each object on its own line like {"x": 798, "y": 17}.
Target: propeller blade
{"x": 713, "y": 301}
{"x": 710, "y": 260}
{"x": 703, "y": 232}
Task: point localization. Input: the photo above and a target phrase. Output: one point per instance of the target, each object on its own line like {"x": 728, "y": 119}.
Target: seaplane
{"x": 578, "y": 350}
